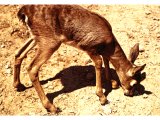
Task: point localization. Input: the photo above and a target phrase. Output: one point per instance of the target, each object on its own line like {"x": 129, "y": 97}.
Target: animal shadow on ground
{"x": 77, "y": 77}
{"x": 140, "y": 88}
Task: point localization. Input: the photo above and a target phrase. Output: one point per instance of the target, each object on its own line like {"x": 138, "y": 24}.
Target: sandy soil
{"x": 69, "y": 76}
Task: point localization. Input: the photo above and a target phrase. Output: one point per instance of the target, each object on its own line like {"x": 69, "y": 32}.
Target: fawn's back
{"x": 69, "y": 24}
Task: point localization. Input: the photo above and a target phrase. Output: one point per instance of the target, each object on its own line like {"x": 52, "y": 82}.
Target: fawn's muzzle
{"x": 128, "y": 93}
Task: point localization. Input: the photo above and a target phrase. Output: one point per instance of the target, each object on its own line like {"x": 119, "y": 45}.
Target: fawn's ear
{"x": 132, "y": 71}
{"x": 134, "y": 52}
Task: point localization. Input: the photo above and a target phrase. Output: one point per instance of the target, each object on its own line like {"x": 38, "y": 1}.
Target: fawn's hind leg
{"x": 19, "y": 56}
{"x": 109, "y": 75}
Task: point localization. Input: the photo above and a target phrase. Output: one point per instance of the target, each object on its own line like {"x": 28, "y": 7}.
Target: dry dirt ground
{"x": 73, "y": 88}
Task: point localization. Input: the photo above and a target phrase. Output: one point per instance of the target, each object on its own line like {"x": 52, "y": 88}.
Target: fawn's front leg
{"x": 98, "y": 68}
{"x": 19, "y": 56}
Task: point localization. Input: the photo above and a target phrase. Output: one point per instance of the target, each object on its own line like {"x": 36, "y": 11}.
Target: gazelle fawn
{"x": 51, "y": 25}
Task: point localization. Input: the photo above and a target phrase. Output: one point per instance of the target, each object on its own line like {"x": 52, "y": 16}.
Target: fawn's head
{"x": 132, "y": 77}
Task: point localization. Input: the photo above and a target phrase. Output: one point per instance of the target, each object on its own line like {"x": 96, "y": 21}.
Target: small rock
{"x": 145, "y": 55}
{"x": 141, "y": 48}
{"x": 8, "y": 65}
{"x": 158, "y": 35}
{"x": 117, "y": 99}
{"x": 156, "y": 19}
{"x": 23, "y": 94}
{"x": 8, "y": 71}
{"x": 147, "y": 12}
{"x": 1, "y": 108}
{"x": 2, "y": 46}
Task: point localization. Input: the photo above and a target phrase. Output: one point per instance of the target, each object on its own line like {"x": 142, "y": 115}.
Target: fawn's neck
{"x": 119, "y": 59}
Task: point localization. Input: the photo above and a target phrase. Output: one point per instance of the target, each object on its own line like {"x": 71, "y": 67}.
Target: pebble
{"x": 157, "y": 19}
{"x": 23, "y": 94}
{"x": 8, "y": 71}
{"x": 141, "y": 48}
{"x": 117, "y": 99}
{"x": 147, "y": 12}
{"x": 8, "y": 65}
{"x": 146, "y": 56}
{"x": 158, "y": 35}
{"x": 8, "y": 68}
{"x": 1, "y": 108}
{"x": 2, "y": 46}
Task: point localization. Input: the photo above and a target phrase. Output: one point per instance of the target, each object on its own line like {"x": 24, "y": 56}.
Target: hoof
{"x": 103, "y": 100}
{"x": 53, "y": 110}
{"x": 20, "y": 87}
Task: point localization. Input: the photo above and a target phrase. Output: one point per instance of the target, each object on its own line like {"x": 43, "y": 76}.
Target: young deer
{"x": 51, "y": 25}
